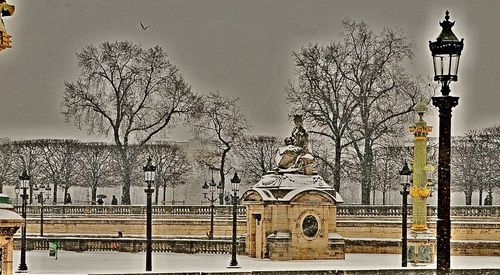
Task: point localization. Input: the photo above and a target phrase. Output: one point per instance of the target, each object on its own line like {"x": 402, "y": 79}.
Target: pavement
{"x": 68, "y": 262}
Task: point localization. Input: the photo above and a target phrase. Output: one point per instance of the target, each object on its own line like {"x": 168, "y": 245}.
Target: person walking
{"x": 114, "y": 200}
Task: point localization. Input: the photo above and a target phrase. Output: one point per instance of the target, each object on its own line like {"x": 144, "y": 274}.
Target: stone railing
{"x": 360, "y": 211}
{"x": 193, "y": 211}
{"x": 80, "y": 244}
{"x": 127, "y": 210}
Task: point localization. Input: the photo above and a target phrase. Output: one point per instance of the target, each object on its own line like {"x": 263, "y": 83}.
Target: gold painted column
{"x": 419, "y": 190}
{"x": 421, "y": 241}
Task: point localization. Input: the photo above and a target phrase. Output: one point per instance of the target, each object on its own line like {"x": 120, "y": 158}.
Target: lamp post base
{"x": 23, "y": 268}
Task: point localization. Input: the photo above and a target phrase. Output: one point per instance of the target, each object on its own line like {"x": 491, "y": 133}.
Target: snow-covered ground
{"x": 68, "y": 262}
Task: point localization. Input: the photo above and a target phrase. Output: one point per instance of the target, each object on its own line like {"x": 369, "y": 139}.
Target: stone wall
{"x": 222, "y": 227}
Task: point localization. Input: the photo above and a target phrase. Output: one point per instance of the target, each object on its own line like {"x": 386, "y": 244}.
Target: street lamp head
{"x": 24, "y": 179}
{"x": 205, "y": 189}
{"x": 235, "y": 181}
{"x": 446, "y": 52}
{"x": 149, "y": 171}
{"x": 405, "y": 173}
{"x": 16, "y": 188}
{"x": 212, "y": 186}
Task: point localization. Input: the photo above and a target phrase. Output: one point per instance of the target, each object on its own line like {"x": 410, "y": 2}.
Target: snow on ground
{"x": 69, "y": 262}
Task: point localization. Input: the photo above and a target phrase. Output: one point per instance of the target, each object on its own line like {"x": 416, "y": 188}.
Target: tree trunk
{"x": 373, "y": 197}
{"x": 65, "y": 194}
{"x": 337, "y": 165}
{"x": 173, "y": 194}
{"x": 480, "y": 197}
{"x": 468, "y": 197}
{"x": 157, "y": 187}
{"x": 366, "y": 173}
{"x": 222, "y": 176}
{"x": 383, "y": 197}
{"x": 126, "y": 175}
{"x": 164, "y": 193}
{"x": 54, "y": 194}
{"x": 94, "y": 195}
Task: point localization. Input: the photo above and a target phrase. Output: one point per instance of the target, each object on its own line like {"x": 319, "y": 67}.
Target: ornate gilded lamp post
{"x": 42, "y": 197}
{"x": 149, "y": 178}
{"x": 235, "y": 182}
{"x": 210, "y": 188}
{"x": 405, "y": 182}
{"x": 446, "y": 52}
{"x": 24, "y": 183}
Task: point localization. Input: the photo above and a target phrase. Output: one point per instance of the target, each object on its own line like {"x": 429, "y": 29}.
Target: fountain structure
{"x": 291, "y": 211}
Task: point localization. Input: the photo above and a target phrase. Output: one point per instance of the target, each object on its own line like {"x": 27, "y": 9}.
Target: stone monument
{"x": 10, "y": 222}
{"x": 291, "y": 211}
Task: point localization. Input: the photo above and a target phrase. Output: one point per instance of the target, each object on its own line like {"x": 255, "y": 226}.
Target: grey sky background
{"x": 240, "y": 48}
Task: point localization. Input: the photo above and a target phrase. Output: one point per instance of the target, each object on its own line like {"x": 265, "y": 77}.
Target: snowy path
{"x": 68, "y": 262}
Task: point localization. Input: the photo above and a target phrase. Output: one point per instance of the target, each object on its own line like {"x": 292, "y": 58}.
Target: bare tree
{"x": 60, "y": 163}
{"x": 475, "y": 163}
{"x": 257, "y": 155}
{"x": 355, "y": 92}
{"x": 7, "y": 159}
{"x": 388, "y": 162}
{"x": 384, "y": 93}
{"x": 127, "y": 92}
{"x": 172, "y": 167}
{"x": 28, "y": 156}
{"x": 95, "y": 166}
{"x": 324, "y": 97}
{"x": 223, "y": 124}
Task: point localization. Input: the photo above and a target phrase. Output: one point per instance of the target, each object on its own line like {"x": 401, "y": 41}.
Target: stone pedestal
{"x": 10, "y": 222}
{"x": 292, "y": 217}
{"x": 421, "y": 247}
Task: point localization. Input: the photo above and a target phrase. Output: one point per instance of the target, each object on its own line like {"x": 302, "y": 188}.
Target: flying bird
{"x": 144, "y": 28}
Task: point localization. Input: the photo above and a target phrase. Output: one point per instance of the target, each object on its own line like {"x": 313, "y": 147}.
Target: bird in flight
{"x": 144, "y": 28}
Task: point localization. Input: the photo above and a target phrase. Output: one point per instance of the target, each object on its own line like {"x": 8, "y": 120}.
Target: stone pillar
{"x": 11, "y": 222}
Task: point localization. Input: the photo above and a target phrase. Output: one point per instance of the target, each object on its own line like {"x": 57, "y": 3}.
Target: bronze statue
{"x": 295, "y": 156}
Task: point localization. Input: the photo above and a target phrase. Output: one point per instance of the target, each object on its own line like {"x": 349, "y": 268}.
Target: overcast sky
{"x": 240, "y": 48}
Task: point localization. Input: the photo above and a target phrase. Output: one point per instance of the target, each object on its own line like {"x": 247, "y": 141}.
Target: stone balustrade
{"x": 223, "y": 246}
{"x": 81, "y": 243}
{"x": 129, "y": 210}
{"x": 193, "y": 211}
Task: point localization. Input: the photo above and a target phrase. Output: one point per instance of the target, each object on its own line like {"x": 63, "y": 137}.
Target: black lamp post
{"x": 235, "y": 182}
{"x": 210, "y": 188}
{"x": 446, "y": 52}
{"x": 149, "y": 177}
{"x": 17, "y": 190}
{"x": 405, "y": 182}
{"x": 42, "y": 197}
{"x": 24, "y": 183}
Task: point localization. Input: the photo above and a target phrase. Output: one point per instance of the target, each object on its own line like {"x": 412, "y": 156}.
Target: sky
{"x": 240, "y": 48}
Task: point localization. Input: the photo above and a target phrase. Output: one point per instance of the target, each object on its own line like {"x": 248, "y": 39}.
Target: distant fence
{"x": 80, "y": 244}
{"x": 193, "y": 211}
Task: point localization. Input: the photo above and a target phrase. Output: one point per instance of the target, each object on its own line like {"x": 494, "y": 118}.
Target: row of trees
{"x": 67, "y": 163}
{"x": 354, "y": 94}
{"x": 475, "y": 162}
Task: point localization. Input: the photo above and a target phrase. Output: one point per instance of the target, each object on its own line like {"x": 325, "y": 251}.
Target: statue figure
{"x": 295, "y": 156}
{"x": 300, "y": 134}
